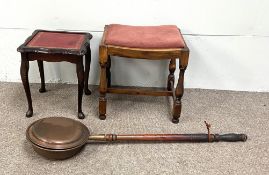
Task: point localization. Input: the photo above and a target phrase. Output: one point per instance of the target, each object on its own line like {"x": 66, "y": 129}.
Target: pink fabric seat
{"x": 158, "y": 37}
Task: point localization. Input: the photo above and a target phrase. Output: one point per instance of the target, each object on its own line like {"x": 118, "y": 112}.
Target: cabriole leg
{"x": 87, "y": 70}
{"x": 42, "y": 77}
{"x": 80, "y": 75}
{"x": 24, "y": 77}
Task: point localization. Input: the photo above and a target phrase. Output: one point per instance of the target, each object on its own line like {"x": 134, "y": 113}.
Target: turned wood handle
{"x": 231, "y": 137}
{"x": 151, "y": 137}
{"x": 164, "y": 137}
{"x": 170, "y": 137}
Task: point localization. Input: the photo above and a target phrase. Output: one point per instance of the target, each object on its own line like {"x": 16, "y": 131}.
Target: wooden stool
{"x": 143, "y": 42}
{"x": 56, "y": 46}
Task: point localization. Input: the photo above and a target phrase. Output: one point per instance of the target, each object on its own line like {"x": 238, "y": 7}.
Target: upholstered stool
{"x": 143, "y": 42}
{"x": 56, "y": 46}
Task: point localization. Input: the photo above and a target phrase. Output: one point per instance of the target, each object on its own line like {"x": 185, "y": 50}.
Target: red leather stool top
{"x": 158, "y": 37}
{"x": 57, "y": 40}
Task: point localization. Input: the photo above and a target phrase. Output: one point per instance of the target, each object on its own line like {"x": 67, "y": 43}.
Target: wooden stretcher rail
{"x": 139, "y": 91}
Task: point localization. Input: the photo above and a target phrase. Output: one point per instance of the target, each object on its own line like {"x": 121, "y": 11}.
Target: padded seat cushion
{"x": 57, "y": 40}
{"x": 158, "y": 37}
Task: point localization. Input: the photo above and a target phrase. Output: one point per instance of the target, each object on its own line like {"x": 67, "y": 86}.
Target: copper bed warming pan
{"x": 61, "y": 138}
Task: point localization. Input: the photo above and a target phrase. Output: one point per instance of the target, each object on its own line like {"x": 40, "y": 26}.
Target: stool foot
{"x": 29, "y": 113}
{"x": 102, "y": 108}
{"x": 87, "y": 91}
{"x": 176, "y": 111}
{"x": 42, "y": 90}
{"x": 175, "y": 120}
{"x": 81, "y": 115}
{"x": 102, "y": 116}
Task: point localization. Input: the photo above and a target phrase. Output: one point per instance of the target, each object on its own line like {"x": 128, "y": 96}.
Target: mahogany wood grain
{"x": 80, "y": 75}
{"x": 42, "y": 76}
{"x": 25, "y": 81}
{"x": 87, "y": 71}
{"x": 50, "y": 54}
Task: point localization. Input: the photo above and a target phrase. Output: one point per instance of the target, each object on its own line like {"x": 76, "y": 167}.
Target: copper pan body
{"x": 57, "y": 137}
{"x": 57, "y": 154}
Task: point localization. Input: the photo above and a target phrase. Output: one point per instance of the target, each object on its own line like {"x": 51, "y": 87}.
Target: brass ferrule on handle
{"x": 103, "y": 137}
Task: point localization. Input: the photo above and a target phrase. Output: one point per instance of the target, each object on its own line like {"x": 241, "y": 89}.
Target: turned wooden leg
{"x": 103, "y": 82}
{"x": 103, "y": 87}
{"x": 24, "y": 77}
{"x": 80, "y": 75}
{"x": 108, "y": 72}
{"x": 42, "y": 77}
{"x": 171, "y": 76}
{"x": 179, "y": 91}
{"x": 87, "y": 70}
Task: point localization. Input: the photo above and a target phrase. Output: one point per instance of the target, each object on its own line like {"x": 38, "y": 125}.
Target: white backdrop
{"x": 228, "y": 39}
